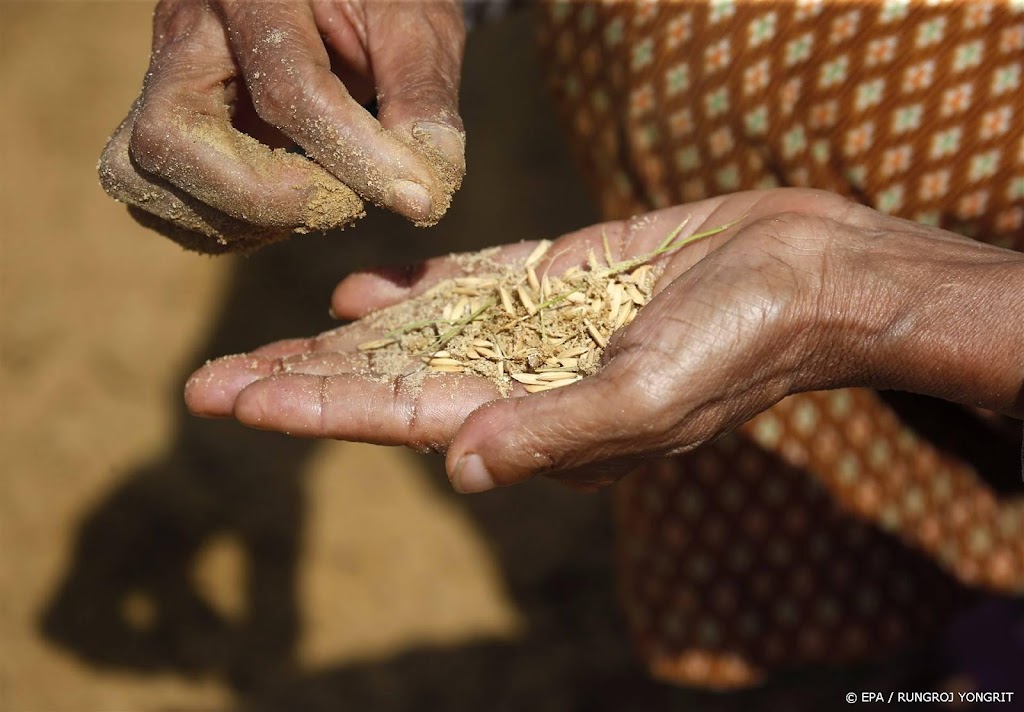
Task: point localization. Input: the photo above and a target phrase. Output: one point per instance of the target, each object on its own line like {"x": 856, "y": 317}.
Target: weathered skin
{"x": 807, "y": 292}
{"x": 225, "y": 73}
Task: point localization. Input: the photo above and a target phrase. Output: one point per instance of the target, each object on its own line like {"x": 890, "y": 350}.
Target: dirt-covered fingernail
{"x": 410, "y": 199}
{"x": 447, "y": 141}
{"x": 471, "y": 475}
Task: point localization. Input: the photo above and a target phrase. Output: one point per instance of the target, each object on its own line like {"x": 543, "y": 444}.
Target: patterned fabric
{"x": 836, "y": 525}
{"x": 680, "y": 101}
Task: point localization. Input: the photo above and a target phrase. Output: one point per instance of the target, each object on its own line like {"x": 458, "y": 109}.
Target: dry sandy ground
{"x": 151, "y": 561}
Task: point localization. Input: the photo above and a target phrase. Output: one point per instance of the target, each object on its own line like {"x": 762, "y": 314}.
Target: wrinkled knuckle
{"x": 542, "y": 455}
{"x": 152, "y": 138}
{"x": 273, "y": 98}
{"x": 534, "y": 448}
{"x": 433, "y": 90}
{"x": 429, "y": 86}
{"x": 637, "y": 387}
{"x": 781, "y": 222}
{"x": 419, "y": 431}
{"x": 645, "y": 395}
{"x": 793, "y": 235}
{"x": 280, "y": 97}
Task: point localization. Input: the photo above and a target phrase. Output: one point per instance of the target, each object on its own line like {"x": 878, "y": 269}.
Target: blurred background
{"x": 153, "y": 561}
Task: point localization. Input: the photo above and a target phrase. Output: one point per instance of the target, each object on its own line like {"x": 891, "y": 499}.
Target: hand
{"x": 225, "y": 73}
{"x": 806, "y": 292}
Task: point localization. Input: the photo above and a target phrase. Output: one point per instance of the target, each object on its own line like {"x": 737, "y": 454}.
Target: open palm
{"x": 737, "y": 321}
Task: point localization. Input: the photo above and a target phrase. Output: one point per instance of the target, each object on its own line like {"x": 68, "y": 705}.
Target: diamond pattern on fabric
{"x": 777, "y": 546}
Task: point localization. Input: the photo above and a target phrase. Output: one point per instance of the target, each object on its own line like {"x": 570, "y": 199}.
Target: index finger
{"x": 421, "y": 411}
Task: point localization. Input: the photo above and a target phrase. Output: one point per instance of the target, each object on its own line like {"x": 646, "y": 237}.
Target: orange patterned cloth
{"x": 835, "y": 526}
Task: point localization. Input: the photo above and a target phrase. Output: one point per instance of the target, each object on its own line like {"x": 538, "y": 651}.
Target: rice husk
{"x": 512, "y": 324}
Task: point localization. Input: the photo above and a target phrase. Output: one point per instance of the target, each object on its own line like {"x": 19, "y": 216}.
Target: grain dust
{"x": 513, "y": 324}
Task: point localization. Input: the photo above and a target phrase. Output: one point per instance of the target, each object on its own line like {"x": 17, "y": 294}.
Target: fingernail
{"x": 471, "y": 475}
{"x": 409, "y": 199}
{"x": 451, "y": 144}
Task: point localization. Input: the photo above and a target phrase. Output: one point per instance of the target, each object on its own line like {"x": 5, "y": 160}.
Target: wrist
{"x": 936, "y": 314}
{"x": 856, "y": 300}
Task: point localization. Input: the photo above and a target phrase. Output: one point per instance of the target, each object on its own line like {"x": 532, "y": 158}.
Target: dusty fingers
{"x": 287, "y": 70}
{"x": 186, "y": 171}
{"x": 313, "y": 202}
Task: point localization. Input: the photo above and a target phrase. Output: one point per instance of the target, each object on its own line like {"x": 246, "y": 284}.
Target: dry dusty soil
{"x": 152, "y": 561}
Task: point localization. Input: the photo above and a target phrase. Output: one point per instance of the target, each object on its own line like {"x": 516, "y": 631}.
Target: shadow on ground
{"x": 127, "y": 600}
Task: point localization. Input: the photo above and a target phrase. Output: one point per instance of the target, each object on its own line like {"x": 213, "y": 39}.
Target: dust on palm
{"x": 515, "y": 323}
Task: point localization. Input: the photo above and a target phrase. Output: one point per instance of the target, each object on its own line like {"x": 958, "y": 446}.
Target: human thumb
{"x": 601, "y": 419}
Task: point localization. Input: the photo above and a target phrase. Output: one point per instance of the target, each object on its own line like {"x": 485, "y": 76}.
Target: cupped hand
{"x": 231, "y": 80}
{"x": 806, "y": 291}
